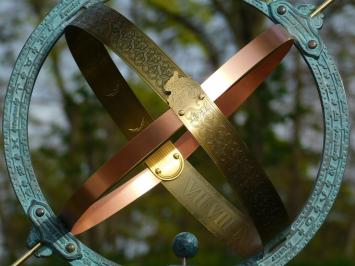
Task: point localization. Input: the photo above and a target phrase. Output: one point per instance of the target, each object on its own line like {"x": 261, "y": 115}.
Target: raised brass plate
{"x": 166, "y": 163}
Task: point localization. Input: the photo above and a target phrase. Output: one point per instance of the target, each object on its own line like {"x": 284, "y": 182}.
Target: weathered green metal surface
{"x": 46, "y": 228}
{"x": 50, "y": 231}
{"x": 336, "y": 128}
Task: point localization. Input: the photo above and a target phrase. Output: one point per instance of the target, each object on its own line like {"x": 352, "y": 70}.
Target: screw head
{"x": 70, "y": 248}
{"x": 281, "y": 10}
{"x": 158, "y": 171}
{"x": 176, "y": 156}
{"x": 201, "y": 96}
{"x": 181, "y": 113}
{"x": 40, "y": 212}
{"x": 312, "y": 44}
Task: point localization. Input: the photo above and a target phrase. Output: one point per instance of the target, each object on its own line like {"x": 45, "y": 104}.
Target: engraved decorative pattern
{"x": 132, "y": 45}
{"x": 55, "y": 238}
{"x": 218, "y": 215}
{"x": 15, "y": 124}
{"x": 218, "y": 137}
{"x": 336, "y": 142}
{"x": 301, "y": 27}
{"x": 327, "y": 77}
{"x": 165, "y": 78}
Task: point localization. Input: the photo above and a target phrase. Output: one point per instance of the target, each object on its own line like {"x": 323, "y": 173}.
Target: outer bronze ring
{"x": 265, "y": 59}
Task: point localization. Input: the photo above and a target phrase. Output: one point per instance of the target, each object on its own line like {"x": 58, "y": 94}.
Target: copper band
{"x": 265, "y": 59}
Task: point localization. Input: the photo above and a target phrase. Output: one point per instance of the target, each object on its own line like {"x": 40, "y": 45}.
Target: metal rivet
{"x": 281, "y": 10}
{"x": 312, "y": 44}
{"x": 158, "y": 171}
{"x": 40, "y": 212}
{"x": 176, "y": 156}
{"x": 181, "y": 113}
{"x": 70, "y": 248}
{"x": 202, "y": 96}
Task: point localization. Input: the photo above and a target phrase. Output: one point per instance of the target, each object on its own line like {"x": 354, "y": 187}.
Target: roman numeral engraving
{"x": 206, "y": 202}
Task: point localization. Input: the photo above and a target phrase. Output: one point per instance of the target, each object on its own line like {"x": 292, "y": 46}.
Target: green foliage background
{"x": 71, "y": 135}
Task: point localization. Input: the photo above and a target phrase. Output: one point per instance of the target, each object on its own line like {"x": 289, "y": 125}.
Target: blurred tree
{"x": 279, "y": 123}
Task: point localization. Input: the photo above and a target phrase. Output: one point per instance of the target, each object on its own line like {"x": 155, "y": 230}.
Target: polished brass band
{"x": 211, "y": 209}
{"x": 230, "y": 86}
{"x": 203, "y": 201}
{"x": 108, "y": 84}
{"x": 167, "y": 163}
{"x": 156, "y": 68}
{"x": 115, "y": 95}
{"x": 218, "y": 137}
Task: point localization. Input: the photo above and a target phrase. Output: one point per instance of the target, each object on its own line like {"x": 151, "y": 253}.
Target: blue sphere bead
{"x": 185, "y": 245}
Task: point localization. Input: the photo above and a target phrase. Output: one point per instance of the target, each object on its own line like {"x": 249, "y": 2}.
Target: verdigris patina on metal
{"x": 47, "y": 228}
{"x": 50, "y": 231}
{"x": 304, "y": 28}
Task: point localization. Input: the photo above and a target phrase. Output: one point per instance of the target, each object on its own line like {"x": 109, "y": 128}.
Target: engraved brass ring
{"x": 201, "y": 117}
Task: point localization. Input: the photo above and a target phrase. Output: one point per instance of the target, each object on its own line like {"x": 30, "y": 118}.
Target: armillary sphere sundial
{"x": 264, "y": 235}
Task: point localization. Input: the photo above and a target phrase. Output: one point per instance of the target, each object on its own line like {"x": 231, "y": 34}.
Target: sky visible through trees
{"x": 71, "y": 135}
